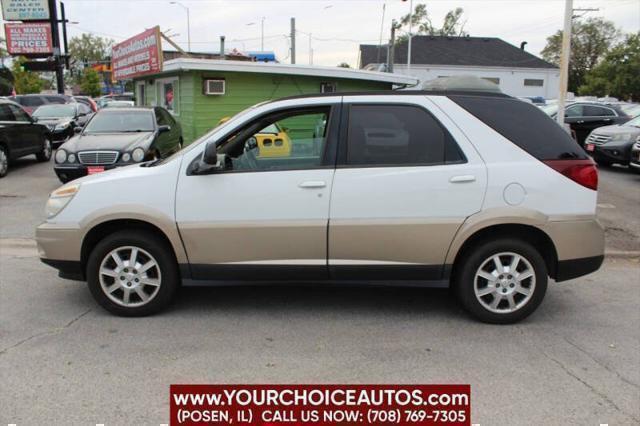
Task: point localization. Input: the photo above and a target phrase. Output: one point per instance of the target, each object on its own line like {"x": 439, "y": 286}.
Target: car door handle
{"x": 462, "y": 179}
{"x": 312, "y": 184}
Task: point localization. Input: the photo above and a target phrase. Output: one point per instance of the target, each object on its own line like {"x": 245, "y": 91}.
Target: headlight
{"x": 59, "y": 199}
{"x": 621, "y": 137}
{"x": 71, "y": 158}
{"x": 62, "y": 126}
{"x": 126, "y": 157}
{"x": 137, "y": 155}
{"x": 61, "y": 156}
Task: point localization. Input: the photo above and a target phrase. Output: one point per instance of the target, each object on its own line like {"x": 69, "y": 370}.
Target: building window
{"x": 533, "y": 82}
{"x": 328, "y": 87}
{"x": 168, "y": 94}
{"x": 495, "y": 80}
{"x": 140, "y": 95}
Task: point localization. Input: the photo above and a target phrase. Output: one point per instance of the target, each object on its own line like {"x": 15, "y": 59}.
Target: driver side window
{"x": 283, "y": 141}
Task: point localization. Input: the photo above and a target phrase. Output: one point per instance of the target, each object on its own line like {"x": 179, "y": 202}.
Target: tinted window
{"x": 55, "y": 100}
{"x": 19, "y": 113}
{"x": 523, "y": 124}
{"x": 397, "y": 135}
{"x": 596, "y": 111}
{"x": 5, "y": 113}
{"x": 574, "y": 111}
{"x": 55, "y": 111}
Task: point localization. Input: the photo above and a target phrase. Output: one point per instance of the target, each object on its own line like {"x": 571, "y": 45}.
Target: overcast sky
{"x": 337, "y": 27}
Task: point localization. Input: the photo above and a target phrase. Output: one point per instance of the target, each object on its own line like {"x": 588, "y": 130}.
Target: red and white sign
{"x": 138, "y": 55}
{"x": 29, "y": 39}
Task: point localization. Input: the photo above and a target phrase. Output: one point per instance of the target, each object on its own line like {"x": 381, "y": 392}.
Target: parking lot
{"x": 575, "y": 361}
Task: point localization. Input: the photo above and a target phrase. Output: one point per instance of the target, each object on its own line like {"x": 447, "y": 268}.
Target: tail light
{"x": 583, "y": 172}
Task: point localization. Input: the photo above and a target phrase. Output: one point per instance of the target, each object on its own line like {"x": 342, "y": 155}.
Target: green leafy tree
{"x": 590, "y": 41}
{"x": 86, "y": 50}
{"x": 453, "y": 24}
{"x": 90, "y": 82}
{"x": 619, "y": 72}
{"x": 25, "y": 81}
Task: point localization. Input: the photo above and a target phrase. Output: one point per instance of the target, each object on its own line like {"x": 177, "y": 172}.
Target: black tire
{"x": 45, "y": 154}
{"x": 4, "y": 161}
{"x": 153, "y": 245}
{"x": 477, "y": 256}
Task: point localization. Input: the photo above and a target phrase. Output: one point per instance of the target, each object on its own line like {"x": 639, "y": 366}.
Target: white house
{"x": 516, "y": 71}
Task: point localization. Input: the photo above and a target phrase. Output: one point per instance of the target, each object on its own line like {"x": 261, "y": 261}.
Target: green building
{"x": 200, "y": 92}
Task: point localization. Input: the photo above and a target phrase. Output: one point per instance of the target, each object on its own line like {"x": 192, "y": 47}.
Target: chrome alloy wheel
{"x": 504, "y": 283}
{"x": 130, "y": 276}
{"x": 4, "y": 162}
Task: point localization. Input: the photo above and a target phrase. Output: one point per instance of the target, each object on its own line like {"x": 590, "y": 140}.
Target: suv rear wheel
{"x": 45, "y": 154}
{"x": 132, "y": 273}
{"x": 4, "y": 161}
{"x": 501, "y": 281}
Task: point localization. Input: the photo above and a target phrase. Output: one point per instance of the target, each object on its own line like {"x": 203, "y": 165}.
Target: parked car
{"x": 414, "y": 188}
{"x": 88, "y": 101}
{"x": 272, "y": 141}
{"x": 634, "y": 161}
{"x": 103, "y": 100}
{"x": 632, "y": 110}
{"x": 33, "y": 101}
{"x": 20, "y": 136}
{"x": 61, "y": 120}
{"x": 118, "y": 104}
{"x": 583, "y": 117}
{"x": 612, "y": 144}
{"x": 118, "y": 137}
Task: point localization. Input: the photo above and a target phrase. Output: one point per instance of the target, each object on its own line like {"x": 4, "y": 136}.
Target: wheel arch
{"x": 103, "y": 229}
{"x": 522, "y": 231}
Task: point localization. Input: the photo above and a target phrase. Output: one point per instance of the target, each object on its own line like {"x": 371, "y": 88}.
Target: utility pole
{"x": 310, "y": 51}
{"x": 55, "y": 38}
{"x": 384, "y": 6}
{"x": 410, "y": 37}
{"x": 392, "y": 47}
{"x": 262, "y": 35}
{"x": 564, "y": 61}
{"x": 64, "y": 36}
{"x": 293, "y": 40}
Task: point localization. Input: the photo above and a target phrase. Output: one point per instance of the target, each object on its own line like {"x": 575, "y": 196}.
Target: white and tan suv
{"x": 482, "y": 192}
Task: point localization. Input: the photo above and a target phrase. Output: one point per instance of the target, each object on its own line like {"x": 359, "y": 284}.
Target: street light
{"x": 188, "y": 23}
{"x": 261, "y": 32}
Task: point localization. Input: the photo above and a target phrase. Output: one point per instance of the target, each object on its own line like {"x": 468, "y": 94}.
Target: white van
{"x": 482, "y": 192}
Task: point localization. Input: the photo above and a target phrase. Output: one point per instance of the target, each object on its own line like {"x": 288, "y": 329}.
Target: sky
{"x": 332, "y": 29}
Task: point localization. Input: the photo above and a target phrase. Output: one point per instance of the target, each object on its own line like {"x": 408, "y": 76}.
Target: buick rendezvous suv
{"x": 481, "y": 192}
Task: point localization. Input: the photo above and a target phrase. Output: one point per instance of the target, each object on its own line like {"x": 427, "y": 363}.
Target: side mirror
{"x": 164, "y": 128}
{"x": 210, "y": 155}
{"x": 77, "y": 130}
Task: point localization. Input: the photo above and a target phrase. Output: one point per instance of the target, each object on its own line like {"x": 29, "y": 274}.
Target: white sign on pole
{"x": 25, "y": 10}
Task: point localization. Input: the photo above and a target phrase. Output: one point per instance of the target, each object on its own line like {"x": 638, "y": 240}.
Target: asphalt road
{"x": 63, "y": 360}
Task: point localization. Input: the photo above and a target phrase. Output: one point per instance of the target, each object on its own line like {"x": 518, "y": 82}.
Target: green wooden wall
{"x": 199, "y": 113}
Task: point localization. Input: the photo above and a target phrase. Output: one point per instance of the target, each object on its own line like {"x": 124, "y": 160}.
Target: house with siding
{"x": 200, "y": 92}
{"x": 516, "y": 71}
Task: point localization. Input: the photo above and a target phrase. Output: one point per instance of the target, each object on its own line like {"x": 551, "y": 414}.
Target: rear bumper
{"x": 574, "y": 268}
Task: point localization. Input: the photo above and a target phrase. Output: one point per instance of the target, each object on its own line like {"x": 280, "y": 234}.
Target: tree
{"x": 86, "y": 50}
{"x": 619, "y": 72}
{"x": 90, "y": 82}
{"x": 344, "y": 65}
{"x": 25, "y": 81}
{"x": 590, "y": 41}
{"x": 422, "y": 25}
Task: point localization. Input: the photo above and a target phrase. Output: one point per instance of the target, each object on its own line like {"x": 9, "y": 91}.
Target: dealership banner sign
{"x": 29, "y": 39}
{"x": 320, "y": 404}
{"x": 25, "y": 10}
{"x": 138, "y": 55}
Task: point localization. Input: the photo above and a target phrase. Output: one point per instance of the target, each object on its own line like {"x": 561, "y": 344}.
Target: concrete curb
{"x": 621, "y": 254}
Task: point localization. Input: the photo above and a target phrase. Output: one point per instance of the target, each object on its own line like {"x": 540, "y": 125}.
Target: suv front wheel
{"x": 132, "y": 273}
{"x": 501, "y": 281}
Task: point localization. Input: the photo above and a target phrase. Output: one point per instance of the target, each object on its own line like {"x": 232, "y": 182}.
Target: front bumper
{"x": 615, "y": 152}
{"x": 67, "y": 172}
{"x": 60, "y": 247}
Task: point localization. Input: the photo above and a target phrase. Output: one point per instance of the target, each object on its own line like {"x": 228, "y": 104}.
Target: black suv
{"x": 20, "y": 135}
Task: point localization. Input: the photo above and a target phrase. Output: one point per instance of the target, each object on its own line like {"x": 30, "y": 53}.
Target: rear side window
{"x": 596, "y": 111}
{"x": 523, "y": 124}
{"x": 398, "y": 135}
{"x": 5, "y": 113}
{"x": 31, "y": 101}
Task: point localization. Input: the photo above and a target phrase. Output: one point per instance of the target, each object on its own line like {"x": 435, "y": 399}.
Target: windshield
{"x": 549, "y": 109}
{"x": 55, "y": 111}
{"x": 121, "y": 121}
{"x": 635, "y": 122}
